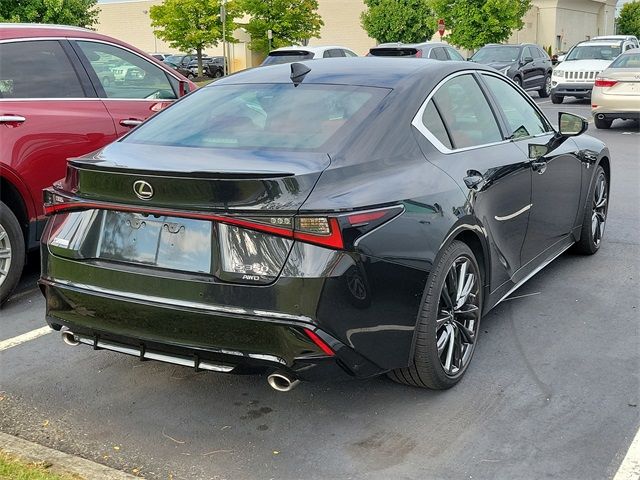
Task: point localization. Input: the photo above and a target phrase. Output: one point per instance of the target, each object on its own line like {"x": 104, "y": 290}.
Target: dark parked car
{"x": 528, "y": 65}
{"x": 64, "y": 92}
{"x": 211, "y": 66}
{"x": 433, "y": 50}
{"x": 355, "y": 216}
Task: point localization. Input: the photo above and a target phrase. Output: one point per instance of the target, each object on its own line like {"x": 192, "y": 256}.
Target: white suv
{"x": 575, "y": 76}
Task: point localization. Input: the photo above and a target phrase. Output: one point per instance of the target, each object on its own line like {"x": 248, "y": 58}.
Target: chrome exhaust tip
{"x": 600, "y": 116}
{"x": 68, "y": 337}
{"x": 282, "y": 382}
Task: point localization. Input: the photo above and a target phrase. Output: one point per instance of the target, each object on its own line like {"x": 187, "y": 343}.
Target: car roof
{"x": 615, "y": 37}
{"x": 386, "y": 72}
{"x": 317, "y": 49}
{"x": 596, "y": 43}
{"x": 411, "y": 45}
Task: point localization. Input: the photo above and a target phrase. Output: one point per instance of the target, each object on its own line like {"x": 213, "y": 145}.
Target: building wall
{"x": 342, "y": 25}
{"x": 559, "y": 23}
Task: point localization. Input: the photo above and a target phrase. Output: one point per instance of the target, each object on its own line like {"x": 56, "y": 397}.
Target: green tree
{"x": 406, "y": 21}
{"x": 474, "y": 23}
{"x": 629, "y": 19}
{"x": 81, "y": 13}
{"x": 292, "y": 22}
{"x": 192, "y": 25}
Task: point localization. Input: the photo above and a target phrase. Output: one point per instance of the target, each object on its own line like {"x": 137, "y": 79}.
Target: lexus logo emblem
{"x": 142, "y": 189}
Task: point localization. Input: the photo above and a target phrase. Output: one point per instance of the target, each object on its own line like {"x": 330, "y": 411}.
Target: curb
{"x": 60, "y": 462}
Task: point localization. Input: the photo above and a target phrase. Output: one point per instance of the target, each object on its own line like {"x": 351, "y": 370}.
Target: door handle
{"x": 12, "y": 118}
{"x": 473, "y": 179}
{"x": 130, "y": 122}
{"x": 539, "y": 166}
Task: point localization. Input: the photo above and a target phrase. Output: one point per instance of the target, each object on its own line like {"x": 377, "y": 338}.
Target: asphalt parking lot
{"x": 553, "y": 390}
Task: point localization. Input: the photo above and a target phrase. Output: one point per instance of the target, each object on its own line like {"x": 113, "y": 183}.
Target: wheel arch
{"x": 11, "y": 197}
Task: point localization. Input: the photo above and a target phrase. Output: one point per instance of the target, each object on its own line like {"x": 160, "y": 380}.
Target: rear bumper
{"x": 608, "y": 114}
{"x": 203, "y": 338}
{"x": 579, "y": 90}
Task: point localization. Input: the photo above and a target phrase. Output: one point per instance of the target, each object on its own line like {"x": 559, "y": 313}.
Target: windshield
{"x": 496, "y": 54}
{"x": 593, "y": 52}
{"x": 630, "y": 60}
{"x": 175, "y": 59}
{"x": 276, "y": 58}
{"x": 279, "y": 116}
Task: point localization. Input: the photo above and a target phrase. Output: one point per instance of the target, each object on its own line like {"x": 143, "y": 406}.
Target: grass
{"x": 13, "y": 469}
{"x": 202, "y": 83}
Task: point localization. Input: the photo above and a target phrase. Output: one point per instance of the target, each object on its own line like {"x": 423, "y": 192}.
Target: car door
{"x": 556, "y": 176}
{"x": 49, "y": 112}
{"x": 528, "y": 69}
{"x": 462, "y": 135}
{"x": 142, "y": 91}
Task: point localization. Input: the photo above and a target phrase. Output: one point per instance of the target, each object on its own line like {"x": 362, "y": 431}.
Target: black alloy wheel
{"x": 12, "y": 252}
{"x": 218, "y": 74}
{"x": 449, "y": 321}
{"x": 518, "y": 81}
{"x": 595, "y": 215}
{"x": 545, "y": 91}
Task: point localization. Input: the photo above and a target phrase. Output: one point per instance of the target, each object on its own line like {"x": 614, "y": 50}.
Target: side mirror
{"x": 570, "y": 125}
{"x": 536, "y": 150}
{"x": 183, "y": 89}
{"x": 526, "y": 60}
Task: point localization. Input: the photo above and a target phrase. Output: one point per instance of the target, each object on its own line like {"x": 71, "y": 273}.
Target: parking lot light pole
{"x": 223, "y": 19}
{"x": 269, "y": 37}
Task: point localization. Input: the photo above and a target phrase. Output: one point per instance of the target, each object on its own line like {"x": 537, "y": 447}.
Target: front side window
{"x": 123, "y": 74}
{"x": 522, "y": 118}
{"x": 453, "y": 55}
{"x": 277, "y": 116}
{"x": 37, "y": 69}
{"x": 466, "y": 113}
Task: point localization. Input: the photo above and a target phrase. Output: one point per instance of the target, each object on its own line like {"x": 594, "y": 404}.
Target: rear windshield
{"x": 393, "y": 52}
{"x": 278, "y": 116}
{"x": 630, "y": 60}
{"x": 594, "y": 52}
{"x": 275, "y": 58}
{"x": 497, "y": 54}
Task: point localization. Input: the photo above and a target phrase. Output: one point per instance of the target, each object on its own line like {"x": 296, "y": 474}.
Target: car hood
{"x": 584, "y": 65}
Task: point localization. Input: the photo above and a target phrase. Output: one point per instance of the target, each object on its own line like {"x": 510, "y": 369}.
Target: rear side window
{"x": 278, "y": 116}
{"x": 37, "y": 69}
{"x": 334, "y": 53}
{"x": 123, "y": 74}
{"x": 275, "y": 58}
{"x": 432, "y": 120}
{"x": 629, "y": 60}
{"x": 438, "y": 53}
{"x": 466, "y": 113}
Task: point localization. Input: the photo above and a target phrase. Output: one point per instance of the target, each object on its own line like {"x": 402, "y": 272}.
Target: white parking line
{"x": 630, "y": 467}
{"x": 25, "y": 337}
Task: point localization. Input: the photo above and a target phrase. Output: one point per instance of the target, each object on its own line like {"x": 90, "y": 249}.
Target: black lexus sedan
{"x": 352, "y": 215}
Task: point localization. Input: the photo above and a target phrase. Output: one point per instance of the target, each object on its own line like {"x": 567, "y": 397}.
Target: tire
{"x": 218, "y": 74}
{"x": 602, "y": 124}
{"x": 12, "y": 252}
{"x": 556, "y": 98}
{"x": 437, "y": 335}
{"x": 106, "y": 82}
{"x": 518, "y": 81}
{"x": 595, "y": 210}
{"x": 545, "y": 91}
{"x": 191, "y": 76}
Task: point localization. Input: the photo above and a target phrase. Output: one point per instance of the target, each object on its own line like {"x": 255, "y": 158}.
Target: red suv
{"x": 64, "y": 92}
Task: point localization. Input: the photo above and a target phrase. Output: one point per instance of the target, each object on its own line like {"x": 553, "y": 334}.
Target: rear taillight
{"x": 418, "y": 53}
{"x": 333, "y": 230}
{"x": 604, "y": 82}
